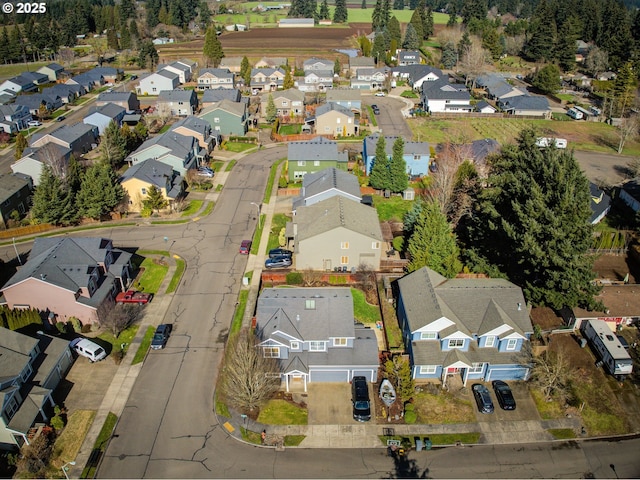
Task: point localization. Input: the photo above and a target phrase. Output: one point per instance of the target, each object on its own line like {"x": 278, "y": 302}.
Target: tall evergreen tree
{"x": 133, "y": 29}
{"x": 125, "y": 37}
{"x": 364, "y": 5}
{"x": 379, "y": 175}
{"x": 127, "y": 10}
{"x": 427, "y": 22}
{"x": 394, "y": 33}
{"x": 464, "y": 44}
{"x": 100, "y": 191}
{"x": 542, "y": 38}
{"x": 532, "y": 225}
{"x": 288, "y": 79}
{"x": 433, "y": 244}
{"x": 341, "y": 14}
{"x": 5, "y": 56}
{"x": 337, "y": 68}
{"x": 449, "y": 56}
{"x": 271, "y": 110}
{"x": 474, "y": 9}
{"x": 416, "y": 23}
{"x": 491, "y": 42}
{"x": 624, "y": 88}
{"x": 205, "y": 14}
{"x": 376, "y": 17}
{"x": 324, "y": 11}
{"x": 154, "y": 201}
{"x": 398, "y": 168}
{"x": 411, "y": 38}
{"x": 113, "y": 145}
{"x": 398, "y": 4}
{"x": 148, "y": 55}
{"x": 379, "y": 50}
{"x": 52, "y": 202}
{"x": 73, "y": 179}
{"x": 212, "y": 49}
{"x": 565, "y": 53}
{"x": 245, "y": 70}
{"x": 453, "y": 18}
{"x": 386, "y": 13}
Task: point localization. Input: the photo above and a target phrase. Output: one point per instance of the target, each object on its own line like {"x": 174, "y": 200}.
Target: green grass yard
{"x": 151, "y": 278}
{"x": 391, "y": 208}
{"x": 363, "y": 311}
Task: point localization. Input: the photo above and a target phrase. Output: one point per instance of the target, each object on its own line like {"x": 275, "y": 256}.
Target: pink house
{"x": 70, "y": 277}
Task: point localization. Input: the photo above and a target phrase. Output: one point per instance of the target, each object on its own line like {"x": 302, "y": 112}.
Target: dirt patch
{"x": 546, "y": 318}
{"x": 616, "y": 267}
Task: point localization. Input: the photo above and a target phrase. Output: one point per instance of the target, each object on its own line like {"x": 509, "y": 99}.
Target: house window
{"x": 337, "y": 120}
{"x": 490, "y": 342}
{"x": 316, "y": 346}
{"x": 339, "y": 342}
{"x": 375, "y": 245}
{"x": 302, "y": 163}
{"x": 11, "y": 408}
{"x": 512, "y": 343}
{"x": 344, "y": 245}
{"x": 428, "y": 369}
{"x": 144, "y": 191}
{"x": 348, "y": 120}
{"x": 285, "y": 103}
{"x": 217, "y": 129}
{"x": 344, "y": 260}
{"x": 428, "y": 335}
{"x": 416, "y": 157}
{"x": 216, "y": 120}
{"x": 310, "y": 304}
{"x": 272, "y": 352}
{"x": 456, "y": 343}
{"x": 316, "y": 163}
{"x": 295, "y": 345}
{"x": 153, "y": 89}
{"x": 476, "y": 368}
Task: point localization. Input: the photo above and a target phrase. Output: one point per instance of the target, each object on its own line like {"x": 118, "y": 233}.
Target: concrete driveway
{"x": 330, "y": 404}
{"x": 390, "y": 120}
{"x": 86, "y": 384}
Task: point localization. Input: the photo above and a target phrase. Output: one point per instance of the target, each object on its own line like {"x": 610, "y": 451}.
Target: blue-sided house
{"x": 417, "y": 155}
{"x": 473, "y": 328}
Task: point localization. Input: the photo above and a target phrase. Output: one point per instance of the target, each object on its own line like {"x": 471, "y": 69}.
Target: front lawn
{"x": 290, "y": 129}
{"x": 238, "y": 147}
{"x": 281, "y": 412}
{"x": 124, "y": 338}
{"x": 70, "y": 440}
{"x": 152, "y": 276}
{"x": 442, "y": 407}
{"x": 277, "y": 224}
{"x": 364, "y": 312}
{"x": 144, "y": 346}
{"x": 409, "y": 94}
{"x": 193, "y": 208}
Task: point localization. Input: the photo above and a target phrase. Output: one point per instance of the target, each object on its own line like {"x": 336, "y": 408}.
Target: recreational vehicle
{"x": 612, "y": 355}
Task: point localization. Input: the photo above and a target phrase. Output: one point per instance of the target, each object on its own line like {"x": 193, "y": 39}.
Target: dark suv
{"x": 161, "y": 336}
{"x": 360, "y": 399}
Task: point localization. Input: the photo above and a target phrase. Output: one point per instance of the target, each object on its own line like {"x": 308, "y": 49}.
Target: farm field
{"x": 589, "y": 136}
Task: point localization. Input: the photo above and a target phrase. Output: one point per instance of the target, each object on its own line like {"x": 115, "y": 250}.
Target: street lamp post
{"x": 258, "y": 208}
{"x": 64, "y": 469}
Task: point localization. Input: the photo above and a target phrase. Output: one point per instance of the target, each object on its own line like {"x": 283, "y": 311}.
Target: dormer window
{"x": 428, "y": 335}
{"x": 456, "y": 343}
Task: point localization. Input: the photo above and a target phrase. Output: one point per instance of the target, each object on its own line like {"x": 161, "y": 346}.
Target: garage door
{"x": 329, "y": 376}
{"x": 369, "y": 374}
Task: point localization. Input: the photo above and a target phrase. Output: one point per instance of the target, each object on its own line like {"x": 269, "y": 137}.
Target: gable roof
{"x": 410, "y": 148}
{"x": 115, "y": 96}
{"x": 217, "y": 72}
{"x": 327, "y": 179}
{"x": 441, "y": 89}
{"x": 328, "y": 107}
{"x": 323, "y": 63}
{"x": 11, "y": 184}
{"x": 291, "y": 94}
{"x": 416, "y": 72}
{"x": 344, "y": 94}
{"x": 337, "y": 212}
{"x": 355, "y": 62}
{"x": 212, "y": 95}
{"x": 193, "y": 123}
{"x": 179, "y": 145}
{"x": 600, "y": 202}
{"x": 318, "y": 148}
{"x": 526, "y": 102}
{"x": 235, "y": 108}
{"x": 155, "y": 173}
{"x": 176, "y": 96}
{"x": 111, "y": 110}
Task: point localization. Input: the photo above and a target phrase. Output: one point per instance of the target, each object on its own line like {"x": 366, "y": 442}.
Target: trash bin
{"x": 419, "y": 444}
{"x": 427, "y": 443}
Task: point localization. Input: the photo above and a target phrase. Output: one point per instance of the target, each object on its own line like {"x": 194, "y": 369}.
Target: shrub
{"x": 86, "y": 328}
{"x": 146, "y": 212}
{"x": 76, "y": 324}
{"x": 398, "y": 243}
{"x": 410, "y": 417}
{"x": 62, "y": 327}
{"x": 57, "y": 423}
{"x": 294, "y": 278}
{"x": 283, "y": 182}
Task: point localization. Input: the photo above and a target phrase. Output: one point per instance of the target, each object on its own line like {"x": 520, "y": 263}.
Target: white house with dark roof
{"x": 178, "y": 102}
{"x": 471, "y": 328}
{"x": 416, "y": 75}
{"x": 14, "y": 118}
{"x": 138, "y": 179}
{"x": 313, "y": 334}
{"x": 441, "y": 96}
{"x": 408, "y": 57}
{"x": 369, "y": 79}
{"x": 32, "y": 367}
{"x": 18, "y": 84}
{"x": 321, "y": 64}
{"x": 182, "y": 70}
{"x": 70, "y": 277}
{"x": 316, "y": 81}
{"x": 309, "y": 156}
{"x": 630, "y": 193}
{"x": 215, "y": 78}
{"x": 417, "y": 155}
{"x": 101, "y": 116}
{"x": 319, "y": 186}
{"x": 336, "y": 233}
{"x": 526, "y": 105}
{"x": 155, "y": 83}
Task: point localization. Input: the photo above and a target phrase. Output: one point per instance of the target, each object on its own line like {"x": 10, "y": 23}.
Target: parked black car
{"x": 161, "y": 336}
{"x": 504, "y": 395}
{"x": 483, "y": 398}
{"x": 278, "y": 262}
{"x": 360, "y": 399}
{"x": 280, "y": 252}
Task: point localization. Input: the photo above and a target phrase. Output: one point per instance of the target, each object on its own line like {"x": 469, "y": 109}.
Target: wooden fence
{"x": 24, "y": 231}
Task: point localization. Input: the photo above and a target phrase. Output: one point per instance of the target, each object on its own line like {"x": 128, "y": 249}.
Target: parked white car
{"x": 87, "y": 348}
{"x": 34, "y": 123}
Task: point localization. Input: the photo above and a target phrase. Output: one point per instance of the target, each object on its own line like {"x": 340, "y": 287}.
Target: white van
{"x": 87, "y": 348}
{"x": 544, "y": 142}
{"x": 575, "y": 114}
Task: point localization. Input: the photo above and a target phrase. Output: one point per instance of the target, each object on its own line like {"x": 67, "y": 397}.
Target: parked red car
{"x": 131, "y": 296}
{"x": 245, "y": 247}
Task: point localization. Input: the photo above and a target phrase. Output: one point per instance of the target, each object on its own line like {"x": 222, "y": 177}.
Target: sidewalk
{"x": 118, "y": 393}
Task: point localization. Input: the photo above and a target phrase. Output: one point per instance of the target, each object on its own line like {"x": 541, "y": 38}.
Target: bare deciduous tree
{"x": 628, "y": 130}
{"x": 366, "y": 276}
{"x": 50, "y": 154}
{"x": 451, "y": 34}
{"x": 249, "y": 378}
{"x": 311, "y": 278}
{"x": 597, "y": 61}
{"x": 119, "y": 317}
{"x": 444, "y": 178}
{"x": 552, "y": 373}
{"x": 473, "y": 61}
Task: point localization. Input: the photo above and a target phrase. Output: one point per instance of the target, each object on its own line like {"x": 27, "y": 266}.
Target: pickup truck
{"x": 131, "y": 296}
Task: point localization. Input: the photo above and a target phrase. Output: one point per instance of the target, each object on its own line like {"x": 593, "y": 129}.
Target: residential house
{"x": 178, "y": 102}
{"x": 497, "y": 88}
{"x": 333, "y": 119}
{"x": 630, "y": 193}
{"x": 35, "y": 77}
{"x": 296, "y": 23}
{"x": 138, "y": 179}
{"x": 226, "y": 117}
{"x": 162, "y": 41}
{"x": 369, "y": 79}
{"x": 155, "y": 83}
{"x": 70, "y": 277}
{"x": 110, "y": 74}
{"x": 313, "y": 156}
{"x": 528, "y": 105}
{"x": 271, "y": 62}
{"x": 214, "y": 95}
{"x": 356, "y": 63}
{"x": 267, "y": 79}
{"x": 288, "y": 102}
{"x": 317, "y": 64}
{"x": 319, "y": 186}
{"x": 417, "y": 155}
{"x": 80, "y": 138}
{"x": 216, "y": 78}
{"x": 600, "y": 203}
{"x": 182, "y": 70}
{"x": 53, "y": 71}
{"x": 479, "y": 151}
{"x": 469, "y": 328}
{"x": 37, "y": 101}
{"x": 14, "y": 118}
{"x": 18, "y": 84}
{"x": 198, "y": 128}
{"x": 485, "y": 107}
{"x": 233, "y": 64}
{"x": 313, "y": 334}
{"x": 34, "y": 159}
{"x": 622, "y": 308}
{"x": 444, "y": 97}
{"x": 408, "y": 57}
{"x": 6, "y": 97}
{"x": 350, "y": 98}
{"x": 176, "y": 150}
{"x": 88, "y": 81}
{"x": 67, "y": 92}
{"x": 127, "y": 100}
{"x": 316, "y": 81}
{"x": 102, "y": 116}
{"x": 336, "y": 233}
{"x": 32, "y": 367}
{"x": 15, "y": 195}
{"x": 416, "y": 75}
